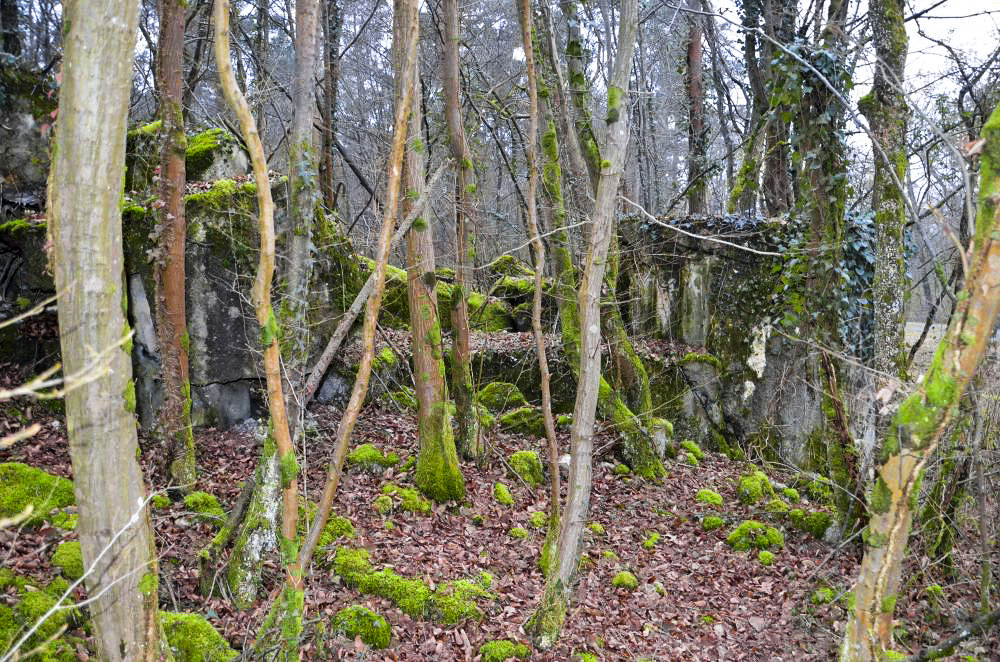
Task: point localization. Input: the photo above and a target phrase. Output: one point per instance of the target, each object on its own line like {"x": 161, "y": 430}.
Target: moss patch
{"x": 538, "y": 519}
{"x": 21, "y": 485}
{"x": 409, "y": 499}
{"x": 503, "y": 649}
{"x": 765, "y": 557}
{"x": 693, "y": 449}
{"x": 625, "y": 580}
{"x": 711, "y": 523}
{"x": 68, "y": 558}
{"x": 359, "y": 621}
{"x": 502, "y": 495}
{"x": 528, "y": 466}
{"x": 519, "y": 533}
{"x": 524, "y": 420}
{"x": 201, "y": 150}
{"x": 501, "y": 396}
{"x": 814, "y": 523}
{"x": 193, "y": 639}
{"x": 206, "y": 508}
{"x": 368, "y": 457}
{"x": 754, "y": 487}
{"x": 709, "y": 497}
{"x": 751, "y": 534}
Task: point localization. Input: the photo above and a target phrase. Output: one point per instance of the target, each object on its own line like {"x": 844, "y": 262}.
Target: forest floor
{"x": 697, "y": 599}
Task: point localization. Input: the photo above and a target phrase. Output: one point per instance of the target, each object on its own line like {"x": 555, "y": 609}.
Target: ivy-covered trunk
{"x": 174, "y": 421}
{"x": 921, "y": 421}
{"x": 84, "y": 216}
{"x": 437, "y": 472}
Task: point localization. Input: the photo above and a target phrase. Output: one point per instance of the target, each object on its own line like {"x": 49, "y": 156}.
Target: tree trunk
{"x": 469, "y": 442}
{"x": 84, "y": 198}
{"x": 269, "y": 329}
{"x": 545, "y": 624}
{"x": 10, "y": 37}
{"x": 332, "y": 27}
{"x": 920, "y": 423}
{"x": 697, "y": 161}
{"x": 174, "y": 424}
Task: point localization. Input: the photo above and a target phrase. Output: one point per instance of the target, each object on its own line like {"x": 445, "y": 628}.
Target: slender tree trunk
{"x": 269, "y": 330}
{"x": 779, "y": 23}
{"x": 84, "y": 197}
{"x": 332, "y": 27}
{"x": 545, "y": 624}
{"x": 697, "y": 161}
{"x": 469, "y": 442}
{"x": 920, "y": 423}
{"x": 10, "y": 37}
{"x": 171, "y": 326}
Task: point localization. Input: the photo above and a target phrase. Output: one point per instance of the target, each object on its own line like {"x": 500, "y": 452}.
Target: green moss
{"x": 588, "y": 657}
{"x": 524, "y": 420}
{"x": 500, "y": 397}
{"x": 382, "y": 504}
{"x": 503, "y": 649}
{"x": 410, "y": 499}
{"x": 776, "y": 506}
{"x": 21, "y": 486}
{"x": 69, "y": 559}
{"x": 765, "y": 557}
{"x": 528, "y": 466}
{"x": 695, "y": 357}
{"x": 161, "y": 501}
{"x": 693, "y": 449}
{"x": 625, "y": 580}
{"x": 519, "y": 533}
{"x": 368, "y": 457}
{"x": 651, "y": 539}
{"x": 822, "y": 596}
{"x": 537, "y": 519}
{"x": 65, "y": 521}
{"x": 201, "y": 149}
{"x": 710, "y": 497}
{"x": 359, "y": 621}
{"x": 813, "y": 523}
{"x": 751, "y": 534}
{"x": 711, "y": 523}
{"x": 404, "y": 398}
{"x": 564, "y": 420}
{"x": 193, "y": 639}
{"x": 508, "y": 265}
{"x": 438, "y": 474}
{"x": 206, "y": 508}
{"x": 753, "y": 487}
{"x": 502, "y": 495}
{"x": 621, "y": 470}
{"x": 690, "y": 459}
{"x": 791, "y": 494}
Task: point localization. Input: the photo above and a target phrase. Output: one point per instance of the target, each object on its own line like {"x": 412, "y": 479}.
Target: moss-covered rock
{"x": 499, "y": 397}
{"x": 751, "y": 534}
{"x": 776, "y": 506}
{"x": 709, "y": 497}
{"x": 368, "y": 457}
{"x": 213, "y": 154}
{"x": 503, "y": 649}
{"x": 753, "y": 487}
{"x": 206, "y": 508}
{"x": 693, "y": 449}
{"x": 21, "y": 486}
{"x": 508, "y": 265}
{"x": 712, "y": 522}
{"x": 404, "y": 398}
{"x": 791, "y": 494}
{"x": 625, "y": 580}
{"x": 193, "y": 639}
{"x": 528, "y": 466}
{"x": 814, "y": 523}
{"x": 502, "y": 495}
{"x": 409, "y": 499}
{"x": 382, "y": 504}
{"x": 524, "y": 420}
{"x": 360, "y": 621}
{"x": 621, "y": 470}
{"x": 69, "y": 559}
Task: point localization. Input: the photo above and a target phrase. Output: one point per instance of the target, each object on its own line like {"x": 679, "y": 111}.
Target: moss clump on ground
{"x": 359, "y": 621}
{"x": 710, "y": 497}
{"x": 621, "y": 470}
{"x": 206, "y": 508}
{"x": 597, "y": 528}
{"x": 754, "y": 487}
{"x": 502, "y": 495}
{"x": 503, "y": 649}
{"x": 501, "y": 396}
{"x": 625, "y": 580}
{"x": 404, "y": 398}
{"x": 193, "y": 639}
{"x": 508, "y": 265}
{"x": 776, "y": 506}
{"x": 538, "y": 519}
{"x": 68, "y": 558}
{"x": 791, "y": 494}
{"x": 711, "y": 523}
{"x": 65, "y": 521}
{"x": 367, "y": 457}
{"x": 524, "y": 420}
{"x": 450, "y": 603}
{"x": 382, "y": 504}
{"x": 161, "y": 501}
{"x": 822, "y": 596}
{"x": 693, "y": 449}
{"x": 21, "y": 485}
{"x": 819, "y": 490}
{"x": 528, "y": 466}
{"x": 751, "y": 534}
{"x": 765, "y": 558}
{"x": 410, "y": 499}
{"x": 519, "y": 533}
{"x": 651, "y": 539}
{"x": 813, "y": 523}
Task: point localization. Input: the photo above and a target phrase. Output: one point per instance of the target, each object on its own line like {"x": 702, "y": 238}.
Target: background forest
{"x": 347, "y": 329}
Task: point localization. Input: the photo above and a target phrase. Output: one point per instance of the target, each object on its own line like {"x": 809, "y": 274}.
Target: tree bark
{"x": 84, "y": 197}
{"x": 697, "y": 132}
{"x": 174, "y": 424}
{"x": 10, "y": 37}
{"x": 921, "y": 421}
{"x": 545, "y": 624}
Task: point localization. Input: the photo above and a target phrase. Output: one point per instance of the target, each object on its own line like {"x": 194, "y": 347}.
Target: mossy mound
{"x": 359, "y": 621}
{"x": 26, "y": 613}
{"x": 201, "y": 150}
{"x": 709, "y": 497}
{"x": 193, "y": 639}
{"x": 776, "y": 506}
{"x": 206, "y": 508}
{"x": 503, "y": 649}
{"x": 21, "y": 485}
{"x": 515, "y": 289}
{"x": 508, "y": 265}
{"x": 693, "y": 449}
{"x": 524, "y": 420}
{"x": 597, "y": 528}
{"x": 519, "y": 533}
{"x": 409, "y": 499}
{"x": 502, "y": 495}
{"x": 625, "y": 580}
{"x": 822, "y": 596}
{"x": 537, "y": 519}
{"x": 621, "y": 470}
{"x": 814, "y": 523}
{"x": 753, "y": 487}
{"x": 652, "y": 537}
{"x": 68, "y": 557}
{"x": 528, "y": 466}
{"x": 711, "y": 523}
{"x": 765, "y": 558}
{"x": 337, "y": 527}
{"x": 751, "y": 534}
{"x": 791, "y": 494}
{"x": 450, "y": 603}
{"x": 405, "y": 398}
{"x": 500, "y": 397}
{"x": 368, "y": 457}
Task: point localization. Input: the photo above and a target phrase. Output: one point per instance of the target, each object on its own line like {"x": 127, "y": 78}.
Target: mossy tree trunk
{"x": 84, "y": 215}
{"x": 174, "y": 424}
{"x": 468, "y": 441}
{"x": 921, "y": 421}
{"x": 697, "y": 161}
{"x": 437, "y": 473}
{"x": 269, "y": 334}
{"x": 546, "y": 622}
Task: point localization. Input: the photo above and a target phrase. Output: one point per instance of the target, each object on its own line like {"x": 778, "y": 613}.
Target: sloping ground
{"x": 696, "y": 598}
